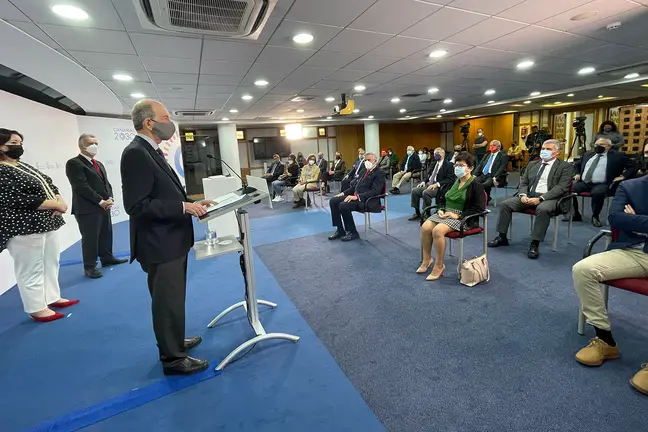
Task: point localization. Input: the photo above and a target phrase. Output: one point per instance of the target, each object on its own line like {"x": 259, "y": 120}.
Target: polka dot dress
{"x": 20, "y": 196}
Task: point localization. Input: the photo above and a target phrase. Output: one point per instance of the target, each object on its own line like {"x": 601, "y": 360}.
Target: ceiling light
{"x": 329, "y": 118}
{"x": 490, "y": 102}
{"x": 261, "y": 83}
{"x": 535, "y": 93}
{"x": 631, "y": 75}
{"x": 359, "y": 88}
{"x": 356, "y": 111}
{"x": 447, "y": 101}
{"x": 557, "y": 103}
{"x": 303, "y": 38}
{"x": 644, "y": 85}
{"x": 585, "y": 15}
{"x": 407, "y": 116}
{"x": 395, "y": 100}
{"x": 489, "y": 92}
{"x": 371, "y": 117}
{"x": 138, "y": 95}
{"x": 442, "y": 110}
{"x": 225, "y": 119}
{"x": 439, "y": 116}
{"x": 282, "y": 118}
{"x": 247, "y": 97}
{"x": 599, "y": 96}
{"x": 330, "y": 99}
{"x": 438, "y": 53}
{"x": 586, "y": 70}
{"x": 122, "y": 77}
{"x": 570, "y": 95}
{"x": 70, "y": 12}
{"x": 402, "y": 110}
{"x": 433, "y": 90}
{"x": 467, "y": 115}
{"x": 294, "y": 131}
{"x": 527, "y": 102}
{"x": 300, "y": 110}
{"x": 233, "y": 111}
{"x": 526, "y": 64}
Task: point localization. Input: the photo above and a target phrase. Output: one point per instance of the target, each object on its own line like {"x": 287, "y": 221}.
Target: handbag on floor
{"x": 474, "y": 271}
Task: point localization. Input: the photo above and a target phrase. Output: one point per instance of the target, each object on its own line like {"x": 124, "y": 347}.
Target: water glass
{"x": 210, "y": 238}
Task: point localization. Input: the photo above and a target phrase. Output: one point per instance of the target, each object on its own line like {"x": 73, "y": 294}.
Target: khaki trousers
{"x": 298, "y": 192}
{"x": 399, "y": 179}
{"x": 589, "y": 272}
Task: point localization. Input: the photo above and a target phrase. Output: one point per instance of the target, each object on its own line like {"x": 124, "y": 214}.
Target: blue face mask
{"x": 545, "y": 155}
{"x": 409, "y": 152}
{"x": 460, "y": 171}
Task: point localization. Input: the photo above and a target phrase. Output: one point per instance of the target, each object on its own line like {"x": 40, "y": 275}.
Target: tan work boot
{"x": 640, "y": 380}
{"x": 596, "y": 352}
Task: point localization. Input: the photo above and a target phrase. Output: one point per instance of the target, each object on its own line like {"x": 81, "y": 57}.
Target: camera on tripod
{"x": 579, "y": 125}
{"x": 465, "y": 130}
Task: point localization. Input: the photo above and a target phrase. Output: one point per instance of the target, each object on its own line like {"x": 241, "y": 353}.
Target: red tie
{"x": 96, "y": 167}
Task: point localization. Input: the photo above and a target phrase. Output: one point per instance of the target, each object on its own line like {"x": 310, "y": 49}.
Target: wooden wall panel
{"x": 495, "y": 127}
{"x": 398, "y": 136}
{"x": 349, "y": 139}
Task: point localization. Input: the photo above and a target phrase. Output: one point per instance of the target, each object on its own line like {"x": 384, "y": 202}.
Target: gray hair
{"x": 439, "y": 149}
{"x": 607, "y": 140}
{"x": 84, "y": 137}
{"x": 555, "y": 142}
{"x": 370, "y": 154}
{"x": 496, "y": 143}
{"x": 142, "y": 110}
{"x": 410, "y": 148}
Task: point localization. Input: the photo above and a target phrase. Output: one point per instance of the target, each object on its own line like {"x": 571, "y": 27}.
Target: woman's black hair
{"x": 606, "y": 123}
{"x": 5, "y": 135}
{"x": 466, "y": 157}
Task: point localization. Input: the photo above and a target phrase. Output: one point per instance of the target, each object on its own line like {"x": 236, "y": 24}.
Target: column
{"x": 372, "y": 138}
{"x": 229, "y": 149}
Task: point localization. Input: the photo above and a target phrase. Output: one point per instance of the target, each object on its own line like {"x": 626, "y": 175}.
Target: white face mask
{"x": 422, "y": 156}
{"x": 368, "y": 165}
{"x": 92, "y": 149}
{"x": 311, "y": 162}
{"x": 480, "y": 133}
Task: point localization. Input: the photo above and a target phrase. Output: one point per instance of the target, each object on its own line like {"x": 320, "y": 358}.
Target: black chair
{"x": 383, "y": 209}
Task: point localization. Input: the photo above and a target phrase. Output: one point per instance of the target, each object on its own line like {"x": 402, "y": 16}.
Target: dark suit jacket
{"x": 277, "y": 171}
{"x": 88, "y": 187}
{"x": 361, "y": 171}
{"x": 323, "y": 165}
{"x": 475, "y": 201}
{"x": 339, "y": 168}
{"x": 160, "y": 231}
{"x": 633, "y": 229}
{"x": 560, "y": 177}
{"x": 371, "y": 185}
{"x": 618, "y": 163}
{"x": 449, "y": 156}
{"x": 412, "y": 164}
{"x": 498, "y": 170}
{"x": 445, "y": 177}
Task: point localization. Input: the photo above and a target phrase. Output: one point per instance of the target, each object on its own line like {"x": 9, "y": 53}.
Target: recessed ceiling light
{"x": 233, "y": 111}
{"x": 261, "y": 83}
{"x": 70, "y": 12}
{"x": 282, "y": 118}
{"x": 599, "y": 96}
{"x": 442, "y": 110}
{"x": 585, "y": 15}
{"x": 433, "y": 90}
{"x": 631, "y": 75}
{"x": 535, "y": 93}
{"x": 371, "y": 117}
{"x": 402, "y": 110}
{"x": 447, "y": 101}
{"x": 586, "y": 70}
{"x": 359, "y": 87}
{"x": 557, "y": 103}
{"x": 356, "y": 111}
{"x": 570, "y": 95}
{"x": 303, "y": 38}
{"x": 527, "y": 102}
{"x": 489, "y": 92}
{"x": 490, "y": 102}
{"x": 407, "y": 116}
{"x": 247, "y": 97}
{"x": 467, "y": 115}
{"x": 300, "y": 110}
{"x": 395, "y": 100}
{"x": 138, "y": 95}
{"x": 225, "y": 119}
{"x": 330, "y": 99}
{"x": 329, "y": 118}
{"x": 122, "y": 77}
{"x": 438, "y": 53}
{"x": 439, "y": 116}
{"x": 526, "y": 64}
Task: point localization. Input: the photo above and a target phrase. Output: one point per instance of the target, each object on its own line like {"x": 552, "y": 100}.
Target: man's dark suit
{"x": 371, "y": 184}
{"x": 618, "y": 163}
{"x": 445, "y": 177}
{"x": 161, "y": 235}
{"x": 89, "y": 188}
{"x": 558, "y": 181}
{"x": 357, "y": 170}
{"x": 338, "y": 167}
{"x": 274, "y": 171}
{"x": 497, "y": 171}
{"x": 633, "y": 229}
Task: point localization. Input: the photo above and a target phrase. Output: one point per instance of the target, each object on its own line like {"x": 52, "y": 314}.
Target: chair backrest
{"x": 615, "y": 234}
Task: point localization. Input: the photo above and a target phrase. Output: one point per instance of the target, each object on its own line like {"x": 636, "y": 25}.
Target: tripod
{"x": 581, "y": 139}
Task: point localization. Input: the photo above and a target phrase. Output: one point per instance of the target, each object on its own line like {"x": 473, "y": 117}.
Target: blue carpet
{"x": 438, "y": 356}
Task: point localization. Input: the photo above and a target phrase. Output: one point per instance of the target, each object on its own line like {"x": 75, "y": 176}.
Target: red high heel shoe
{"x": 63, "y": 304}
{"x": 49, "y": 318}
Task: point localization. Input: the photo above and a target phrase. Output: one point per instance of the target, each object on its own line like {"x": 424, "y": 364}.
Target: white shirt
{"x": 543, "y": 181}
{"x": 598, "y": 176}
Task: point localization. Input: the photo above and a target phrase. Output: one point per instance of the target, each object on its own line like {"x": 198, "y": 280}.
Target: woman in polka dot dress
{"x": 30, "y": 214}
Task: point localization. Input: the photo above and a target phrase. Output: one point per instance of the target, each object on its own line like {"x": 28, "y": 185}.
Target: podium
{"x": 243, "y": 246}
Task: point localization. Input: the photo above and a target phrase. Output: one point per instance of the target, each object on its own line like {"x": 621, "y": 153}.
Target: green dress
{"x": 455, "y": 203}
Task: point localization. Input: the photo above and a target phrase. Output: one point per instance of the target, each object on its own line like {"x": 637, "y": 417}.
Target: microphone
{"x": 246, "y": 189}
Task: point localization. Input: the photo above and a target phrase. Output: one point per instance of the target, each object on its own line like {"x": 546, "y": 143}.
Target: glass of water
{"x": 211, "y": 238}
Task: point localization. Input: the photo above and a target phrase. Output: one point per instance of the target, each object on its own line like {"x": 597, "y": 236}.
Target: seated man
{"x": 308, "y": 178}
{"x": 411, "y": 162}
{"x": 599, "y": 173}
{"x": 355, "y": 172}
{"x": 452, "y": 156}
{"x": 274, "y": 170}
{"x": 627, "y": 257}
{"x": 322, "y": 164}
{"x": 543, "y": 183}
{"x": 492, "y": 169}
{"x": 439, "y": 176}
{"x": 371, "y": 184}
{"x": 337, "y": 169}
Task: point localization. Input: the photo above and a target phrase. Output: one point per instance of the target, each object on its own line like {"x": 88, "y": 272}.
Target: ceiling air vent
{"x": 302, "y": 98}
{"x": 221, "y": 18}
{"x": 412, "y": 95}
{"x": 193, "y": 113}
{"x": 431, "y": 100}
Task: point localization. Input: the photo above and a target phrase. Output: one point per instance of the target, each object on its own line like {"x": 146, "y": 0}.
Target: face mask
{"x": 607, "y": 129}
{"x": 311, "y": 162}
{"x": 545, "y": 155}
{"x": 480, "y": 133}
{"x": 92, "y": 149}
{"x": 457, "y": 149}
{"x": 460, "y": 171}
{"x": 493, "y": 149}
{"x": 164, "y": 131}
{"x": 437, "y": 156}
{"x": 319, "y": 157}
{"x": 14, "y": 151}
{"x": 409, "y": 152}
{"x": 422, "y": 156}
{"x": 338, "y": 157}
{"x": 368, "y": 165}
{"x": 599, "y": 149}
{"x": 383, "y": 154}
{"x": 390, "y": 153}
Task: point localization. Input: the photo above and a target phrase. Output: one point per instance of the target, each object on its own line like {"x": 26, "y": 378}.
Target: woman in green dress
{"x": 466, "y": 197}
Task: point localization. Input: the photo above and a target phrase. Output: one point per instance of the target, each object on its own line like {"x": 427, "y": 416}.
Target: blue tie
{"x": 488, "y": 164}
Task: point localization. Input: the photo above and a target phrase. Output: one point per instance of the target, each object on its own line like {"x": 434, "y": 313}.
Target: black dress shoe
{"x": 93, "y": 273}
{"x": 187, "y": 366}
{"x": 350, "y": 236}
{"x": 192, "y": 342}
{"x": 336, "y": 235}
{"x": 534, "y": 251}
{"x": 395, "y": 191}
{"x": 596, "y": 222}
{"x": 498, "y": 241}
{"x": 414, "y": 217}
{"x": 114, "y": 261}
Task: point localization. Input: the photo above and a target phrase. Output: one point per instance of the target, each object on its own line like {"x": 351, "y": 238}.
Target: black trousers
{"x": 599, "y": 192}
{"x": 167, "y": 284}
{"x": 424, "y": 193}
{"x": 96, "y": 238}
{"x": 486, "y": 180}
{"x": 341, "y": 214}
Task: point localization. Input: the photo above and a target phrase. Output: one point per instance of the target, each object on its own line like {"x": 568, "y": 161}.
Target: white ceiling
{"x": 382, "y": 44}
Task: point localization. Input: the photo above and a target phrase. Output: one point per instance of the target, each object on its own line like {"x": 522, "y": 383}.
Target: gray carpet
{"x": 438, "y": 356}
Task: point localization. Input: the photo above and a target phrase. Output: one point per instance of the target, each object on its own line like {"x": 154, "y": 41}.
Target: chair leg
{"x": 366, "y": 226}
{"x": 369, "y": 218}
{"x": 531, "y": 226}
{"x": 581, "y": 321}
{"x": 450, "y": 247}
{"x": 582, "y": 206}
{"x": 461, "y": 252}
{"x": 569, "y": 228}
{"x": 555, "y": 241}
{"x": 485, "y": 236}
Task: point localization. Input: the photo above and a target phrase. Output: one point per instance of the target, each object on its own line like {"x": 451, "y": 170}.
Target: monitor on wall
{"x": 264, "y": 148}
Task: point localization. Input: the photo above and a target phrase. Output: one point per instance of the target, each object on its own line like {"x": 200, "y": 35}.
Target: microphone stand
{"x": 245, "y": 189}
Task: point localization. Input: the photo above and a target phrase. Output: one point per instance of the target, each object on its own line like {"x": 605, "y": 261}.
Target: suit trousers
{"x": 400, "y": 178}
{"x": 425, "y": 193}
{"x": 589, "y": 272}
{"x": 342, "y": 214}
{"x": 544, "y": 211}
{"x": 167, "y": 284}
{"x": 96, "y": 238}
{"x": 486, "y": 180}
{"x": 599, "y": 192}
{"x": 36, "y": 266}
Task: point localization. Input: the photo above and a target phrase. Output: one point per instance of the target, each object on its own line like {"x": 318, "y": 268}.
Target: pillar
{"x": 229, "y": 149}
{"x": 372, "y": 138}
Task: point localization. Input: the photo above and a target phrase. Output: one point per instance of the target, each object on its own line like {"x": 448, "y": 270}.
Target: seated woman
{"x": 466, "y": 197}
{"x": 310, "y": 175}
{"x": 515, "y": 154}
{"x": 291, "y": 172}
{"x": 384, "y": 163}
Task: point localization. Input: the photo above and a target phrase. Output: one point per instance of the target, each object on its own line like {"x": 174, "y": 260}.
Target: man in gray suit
{"x": 544, "y": 182}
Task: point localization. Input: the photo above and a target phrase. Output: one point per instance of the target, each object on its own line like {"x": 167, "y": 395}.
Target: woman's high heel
{"x": 48, "y": 318}
{"x": 63, "y": 304}
{"x": 435, "y": 275}
{"x": 424, "y": 268}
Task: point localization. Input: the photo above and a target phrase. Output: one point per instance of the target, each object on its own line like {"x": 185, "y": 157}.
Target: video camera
{"x": 465, "y": 129}
{"x": 344, "y": 107}
{"x": 579, "y": 125}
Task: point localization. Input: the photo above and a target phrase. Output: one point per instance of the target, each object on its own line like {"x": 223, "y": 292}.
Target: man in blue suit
{"x": 627, "y": 257}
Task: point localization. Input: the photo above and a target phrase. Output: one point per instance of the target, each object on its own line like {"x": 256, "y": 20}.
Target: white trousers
{"x": 36, "y": 265}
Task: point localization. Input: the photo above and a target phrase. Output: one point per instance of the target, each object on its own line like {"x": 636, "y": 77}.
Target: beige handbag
{"x": 474, "y": 271}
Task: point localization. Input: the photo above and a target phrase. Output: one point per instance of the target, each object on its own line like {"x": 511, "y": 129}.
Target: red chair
{"x": 635, "y": 285}
{"x": 311, "y": 188}
{"x": 606, "y": 204}
{"x": 463, "y": 232}
{"x": 383, "y": 209}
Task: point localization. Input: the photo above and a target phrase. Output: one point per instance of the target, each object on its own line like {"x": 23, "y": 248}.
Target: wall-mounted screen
{"x": 264, "y": 148}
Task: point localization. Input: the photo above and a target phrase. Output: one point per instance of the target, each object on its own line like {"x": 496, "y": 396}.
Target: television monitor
{"x": 264, "y": 148}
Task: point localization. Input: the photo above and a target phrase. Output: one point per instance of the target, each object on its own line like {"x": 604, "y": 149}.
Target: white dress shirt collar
{"x": 150, "y": 141}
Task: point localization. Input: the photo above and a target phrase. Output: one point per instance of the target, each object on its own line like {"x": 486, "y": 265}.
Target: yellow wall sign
{"x": 282, "y": 132}
{"x": 240, "y": 135}
{"x": 189, "y": 136}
